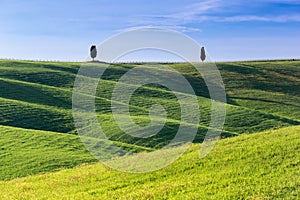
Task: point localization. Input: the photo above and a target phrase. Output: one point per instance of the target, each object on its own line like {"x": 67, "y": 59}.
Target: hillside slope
{"x": 25, "y": 152}
{"x": 258, "y": 166}
{"x": 37, "y": 95}
{"x": 36, "y": 98}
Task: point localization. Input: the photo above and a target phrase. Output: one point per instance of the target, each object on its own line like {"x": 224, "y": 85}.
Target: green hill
{"x": 260, "y": 95}
{"x": 36, "y": 116}
{"x": 258, "y": 166}
{"x": 26, "y": 152}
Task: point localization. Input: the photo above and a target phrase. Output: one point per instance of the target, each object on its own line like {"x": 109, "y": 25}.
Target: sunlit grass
{"x": 37, "y": 97}
{"x": 258, "y": 166}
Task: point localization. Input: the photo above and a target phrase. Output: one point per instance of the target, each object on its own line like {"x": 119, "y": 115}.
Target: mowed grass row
{"x": 268, "y": 86}
{"x": 18, "y": 85}
{"x": 272, "y": 87}
{"x": 51, "y": 74}
{"x": 38, "y": 112}
{"x": 26, "y": 152}
{"x": 35, "y": 116}
{"x": 258, "y": 166}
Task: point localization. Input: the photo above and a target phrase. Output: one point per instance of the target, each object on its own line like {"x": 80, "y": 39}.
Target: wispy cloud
{"x": 178, "y": 19}
{"x": 213, "y": 11}
{"x": 283, "y": 1}
{"x": 243, "y": 18}
{"x": 183, "y": 29}
{"x": 191, "y": 11}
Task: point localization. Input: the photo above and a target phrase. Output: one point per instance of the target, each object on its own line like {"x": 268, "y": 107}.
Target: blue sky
{"x": 230, "y": 30}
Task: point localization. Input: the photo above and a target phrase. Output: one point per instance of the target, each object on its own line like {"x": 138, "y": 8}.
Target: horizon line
{"x": 148, "y": 62}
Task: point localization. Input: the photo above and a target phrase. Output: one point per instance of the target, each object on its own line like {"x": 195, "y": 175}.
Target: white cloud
{"x": 178, "y": 19}
{"x": 193, "y": 10}
{"x": 183, "y": 29}
{"x": 243, "y": 18}
{"x": 214, "y": 11}
{"x": 283, "y": 1}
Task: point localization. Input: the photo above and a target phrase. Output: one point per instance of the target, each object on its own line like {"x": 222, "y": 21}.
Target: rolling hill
{"x": 38, "y": 135}
{"x": 258, "y": 166}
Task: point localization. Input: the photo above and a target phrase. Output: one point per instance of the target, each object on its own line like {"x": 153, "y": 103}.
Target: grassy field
{"x": 37, "y": 132}
{"x": 264, "y": 98}
{"x": 25, "y": 152}
{"x": 258, "y": 166}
